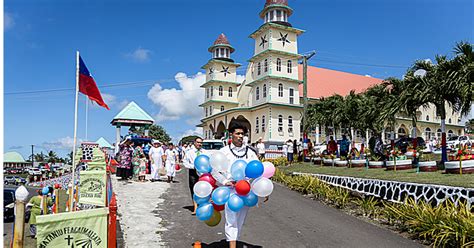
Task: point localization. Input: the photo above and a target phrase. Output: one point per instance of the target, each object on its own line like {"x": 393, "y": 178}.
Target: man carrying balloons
{"x": 189, "y": 161}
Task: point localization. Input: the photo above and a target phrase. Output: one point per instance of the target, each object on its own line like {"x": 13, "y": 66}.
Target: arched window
{"x": 264, "y": 90}
{"x": 449, "y": 120}
{"x": 278, "y": 64}
{"x": 257, "y": 93}
{"x": 427, "y": 118}
{"x": 222, "y": 107}
{"x": 206, "y": 112}
{"x": 230, "y": 91}
{"x": 291, "y": 95}
{"x": 265, "y": 65}
{"x": 402, "y": 132}
{"x": 210, "y": 110}
{"x": 280, "y": 123}
{"x": 221, "y": 90}
{"x": 207, "y": 92}
{"x": 256, "y": 125}
{"x": 438, "y": 133}
{"x": 280, "y": 90}
{"x": 263, "y": 123}
{"x": 212, "y": 91}
{"x": 290, "y": 124}
{"x": 427, "y": 133}
{"x": 289, "y": 68}
{"x": 450, "y": 133}
{"x": 259, "y": 68}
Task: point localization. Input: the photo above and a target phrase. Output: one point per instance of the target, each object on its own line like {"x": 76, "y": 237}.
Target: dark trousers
{"x": 193, "y": 179}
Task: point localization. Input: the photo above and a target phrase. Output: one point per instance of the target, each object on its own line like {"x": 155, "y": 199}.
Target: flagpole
{"x": 87, "y": 114}
{"x": 71, "y": 194}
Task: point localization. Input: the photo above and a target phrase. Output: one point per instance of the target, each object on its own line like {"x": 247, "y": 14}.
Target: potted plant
{"x": 356, "y": 159}
{"x": 342, "y": 162}
{"x": 375, "y": 162}
{"x": 463, "y": 162}
{"x": 426, "y": 161}
{"x": 398, "y": 161}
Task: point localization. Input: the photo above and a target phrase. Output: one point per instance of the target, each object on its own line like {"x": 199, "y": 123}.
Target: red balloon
{"x": 177, "y": 167}
{"x": 218, "y": 207}
{"x": 57, "y": 186}
{"x": 208, "y": 178}
{"x": 242, "y": 187}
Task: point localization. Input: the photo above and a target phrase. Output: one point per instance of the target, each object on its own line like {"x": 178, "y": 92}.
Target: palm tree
{"x": 52, "y": 157}
{"x": 39, "y": 157}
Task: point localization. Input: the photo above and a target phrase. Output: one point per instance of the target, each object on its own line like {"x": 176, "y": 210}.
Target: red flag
{"x": 87, "y": 85}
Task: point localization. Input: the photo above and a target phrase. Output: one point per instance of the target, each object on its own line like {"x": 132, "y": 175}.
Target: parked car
{"x": 9, "y": 180}
{"x": 35, "y": 172}
{"x": 455, "y": 141}
{"x": 8, "y": 205}
{"x": 212, "y": 145}
{"x": 402, "y": 143}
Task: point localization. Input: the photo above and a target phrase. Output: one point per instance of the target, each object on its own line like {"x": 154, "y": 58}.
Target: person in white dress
{"x": 156, "y": 153}
{"x": 188, "y": 162}
{"x": 171, "y": 156}
{"x": 234, "y": 221}
{"x": 261, "y": 148}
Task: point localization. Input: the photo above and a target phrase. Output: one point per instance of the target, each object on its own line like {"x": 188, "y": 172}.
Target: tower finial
{"x": 221, "y": 47}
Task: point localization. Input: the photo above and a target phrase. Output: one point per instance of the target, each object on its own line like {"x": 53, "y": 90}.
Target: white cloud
{"x": 112, "y": 101}
{"x": 140, "y": 55}
{"x": 428, "y": 60}
{"x": 64, "y": 143}
{"x": 182, "y": 102}
{"x": 8, "y": 21}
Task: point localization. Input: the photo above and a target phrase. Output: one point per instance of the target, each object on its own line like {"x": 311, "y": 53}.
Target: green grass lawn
{"x": 466, "y": 180}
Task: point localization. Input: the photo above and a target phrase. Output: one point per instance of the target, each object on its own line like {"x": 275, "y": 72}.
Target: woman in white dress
{"x": 155, "y": 154}
{"x": 171, "y": 156}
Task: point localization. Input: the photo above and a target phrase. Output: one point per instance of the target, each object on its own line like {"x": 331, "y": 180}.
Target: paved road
{"x": 8, "y": 227}
{"x": 287, "y": 220}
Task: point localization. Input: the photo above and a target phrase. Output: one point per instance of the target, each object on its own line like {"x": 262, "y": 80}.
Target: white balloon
{"x": 262, "y": 187}
{"x": 219, "y": 161}
{"x": 202, "y": 189}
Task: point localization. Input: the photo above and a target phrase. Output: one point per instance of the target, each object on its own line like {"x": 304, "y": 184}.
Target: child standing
{"x": 170, "y": 157}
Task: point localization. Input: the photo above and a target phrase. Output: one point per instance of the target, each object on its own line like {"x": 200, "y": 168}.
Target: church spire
{"x": 221, "y": 49}
{"x": 276, "y": 11}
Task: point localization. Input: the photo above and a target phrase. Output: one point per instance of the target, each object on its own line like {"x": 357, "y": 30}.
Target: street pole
{"x": 32, "y": 156}
{"x": 305, "y": 93}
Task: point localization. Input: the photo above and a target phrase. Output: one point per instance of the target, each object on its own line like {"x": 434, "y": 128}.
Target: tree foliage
{"x": 155, "y": 132}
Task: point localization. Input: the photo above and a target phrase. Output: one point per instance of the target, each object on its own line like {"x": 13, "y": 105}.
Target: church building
{"x": 269, "y": 100}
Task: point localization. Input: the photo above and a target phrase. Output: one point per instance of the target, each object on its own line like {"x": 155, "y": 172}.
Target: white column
{"x": 317, "y": 134}
{"x": 117, "y": 139}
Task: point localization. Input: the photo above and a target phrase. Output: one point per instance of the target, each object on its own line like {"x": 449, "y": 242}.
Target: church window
{"x": 222, "y": 107}
{"x": 291, "y": 95}
{"x": 206, "y": 112}
{"x": 230, "y": 91}
{"x": 263, "y": 123}
{"x": 449, "y": 120}
{"x": 278, "y": 15}
{"x": 450, "y": 133}
{"x": 278, "y": 64}
{"x": 280, "y": 123}
{"x": 227, "y": 53}
{"x": 271, "y": 15}
{"x": 264, "y": 90}
{"x": 257, "y": 93}
{"x": 256, "y": 125}
{"x": 428, "y": 134}
{"x": 438, "y": 133}
{"x": 289, "y": 68}
{"x": 290, "y": 124}
{"x": 259, "y": 69}
{"x": 427, "y": 118}
{"x": 265, "y": 65}
{"x": 221, "y": 90}
{"x": 280, "y": 90}
{"x": 207, "y": 92}
{"x": 222, "y": 52}
{"x": 210, "y": 110}
{"x": 212, "y": 91}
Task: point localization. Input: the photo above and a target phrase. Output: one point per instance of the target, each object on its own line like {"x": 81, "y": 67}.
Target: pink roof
{"x": 222, "y": 39}
{"x": 325, "y": 82}
{"x": 279, "y": 2}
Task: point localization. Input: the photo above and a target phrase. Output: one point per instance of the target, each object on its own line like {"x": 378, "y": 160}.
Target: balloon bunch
{"x": 252, "y": 181}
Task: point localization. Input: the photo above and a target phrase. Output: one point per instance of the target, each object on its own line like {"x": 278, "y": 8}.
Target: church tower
{"x": 221, "y": 78}
{"x": 273, "y": 76}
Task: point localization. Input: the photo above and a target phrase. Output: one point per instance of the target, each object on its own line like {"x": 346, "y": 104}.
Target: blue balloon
{"x": 250, "y": 199}
{"x": 237, "y": 170}
{"x": 235, "y": 203}
{"x": 221, "y": 195}
{"x": 254, "y": 169}
{"x": 45, "y": 190}
{"x": 204, "y": 212}
{"x": 201, "y": 200}
{"x": 201, "y": 164}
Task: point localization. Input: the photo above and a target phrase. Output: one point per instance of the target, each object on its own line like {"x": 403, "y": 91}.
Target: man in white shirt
{"x": 171, "y": 156}
{"x": 188, "y": 162}
{"x": 156, "y": 153}
{"x": 261, "y": 149}
{"x": 235, "y": 151}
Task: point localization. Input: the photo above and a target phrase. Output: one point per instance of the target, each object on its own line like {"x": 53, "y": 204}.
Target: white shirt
{"x": 156, "y": 152}
{"x": 191, "y": 155}
{"x": 171, "y": 155}
{"x": 290, "y": 147}
{"x": 261, "y": 148}
{"x": 285, "y": 148}
{"x": 226, "y": 176}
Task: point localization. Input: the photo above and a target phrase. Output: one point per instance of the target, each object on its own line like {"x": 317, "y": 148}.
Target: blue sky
{"x": 141, "y": 43}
